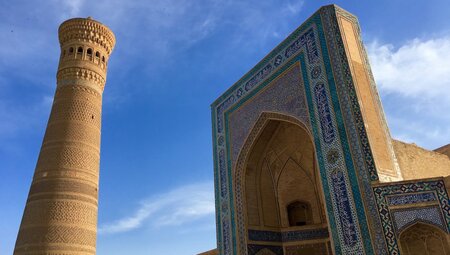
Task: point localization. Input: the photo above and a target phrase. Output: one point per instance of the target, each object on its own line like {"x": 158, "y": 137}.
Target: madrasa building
{"x": 303, "y": 159}
{"x": 304, "y": 162}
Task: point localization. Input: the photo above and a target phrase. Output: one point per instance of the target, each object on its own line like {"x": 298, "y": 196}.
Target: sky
{"x": 172, "y": 59}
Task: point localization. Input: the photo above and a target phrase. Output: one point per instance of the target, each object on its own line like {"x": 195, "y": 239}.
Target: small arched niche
{"x": 299, "y": 214}
{"x": 424, "y": 239}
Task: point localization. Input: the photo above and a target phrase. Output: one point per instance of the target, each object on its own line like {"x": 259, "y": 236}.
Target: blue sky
{"x": 172, "y": 59}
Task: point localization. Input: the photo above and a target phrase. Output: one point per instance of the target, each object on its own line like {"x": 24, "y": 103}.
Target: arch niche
{"x": 424, "y": 239}
{"x": 278, "y": 180}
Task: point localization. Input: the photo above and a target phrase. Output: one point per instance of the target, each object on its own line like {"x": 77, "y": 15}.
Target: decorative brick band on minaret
{"x": 60, "y": 216}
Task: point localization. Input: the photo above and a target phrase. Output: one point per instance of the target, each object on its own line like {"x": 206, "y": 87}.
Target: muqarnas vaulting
{"x": 305, "y": 163}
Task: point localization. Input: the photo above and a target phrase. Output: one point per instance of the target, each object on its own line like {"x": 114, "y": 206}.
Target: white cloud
{"x": 179, "y": 206}
{"x": 414, "y": 81}
{"x": 73, "y": 6}
{"x": 419, "y": 68}
{"x": 294, "y": 7}
{"x": 425, "y": 131}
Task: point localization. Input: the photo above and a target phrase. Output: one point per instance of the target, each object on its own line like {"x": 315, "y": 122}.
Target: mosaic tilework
{"x": 298, "y": 235}
{"x": 287, "y": 236}
{"x": 317, "y": 248}
{"x": 406, "y": 217}
{"x": 357, "y": 137}
{"x": 411, "y": 198}
{"x": 254, "y": 249}
{"x": 264, "y": 235}
{"x": 284, "y": 96}
{"x": 350, "y": 246}
{"x": 326, "y": 123}
{"x": 345, "y": 202}
{"x": 344, "y": 82}
{"x": 306, "y": 40}
{"x": 383, "y": 192}
{"x": 344, "y": 208}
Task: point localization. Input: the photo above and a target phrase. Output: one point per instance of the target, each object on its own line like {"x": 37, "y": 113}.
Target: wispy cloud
{"x": 294, "y": 7}
{"x": 414, "y": 81}
{"x": 425, "y": 131}
{"x": 179, "y": 206}
{"x": 150, "y": 35}
{"x": 419, "y": 68}
{"x": 73, "y": 7}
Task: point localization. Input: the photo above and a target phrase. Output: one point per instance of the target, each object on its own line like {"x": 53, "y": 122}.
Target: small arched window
{"x": 299, "y": 214}
{"x": 89, "y": 54}
{"x": 97, "y": 54}
{"x": 103, "y": 59}
{"x": 80, "y": 50}
{"x": 70, "y": 51}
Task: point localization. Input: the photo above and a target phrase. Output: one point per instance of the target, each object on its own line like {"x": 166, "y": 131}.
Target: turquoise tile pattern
{"x": 345, "y": 160}
{"x": 410, "y": 193}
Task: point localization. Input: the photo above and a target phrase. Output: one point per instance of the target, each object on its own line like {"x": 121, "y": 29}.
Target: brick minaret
{"x": 60, "y": 216}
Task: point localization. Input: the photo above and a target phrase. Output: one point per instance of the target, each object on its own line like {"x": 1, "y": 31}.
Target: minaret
{"x": 60, "y": 216}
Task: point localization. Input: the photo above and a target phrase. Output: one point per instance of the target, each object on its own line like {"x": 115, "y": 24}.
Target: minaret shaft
{"x": 60, "y": 216}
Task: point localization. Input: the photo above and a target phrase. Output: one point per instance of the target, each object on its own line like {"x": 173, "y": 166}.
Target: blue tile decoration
{"x": 344, "y": 208}
{"x": 226, "y": 232}
{"x": 264, "y": 235}
{"x": 306, "y": 40}
{"x": 357, "y": 137}
{"x": 223, "y": 176}
{"x": 255, "y": 248}
{"x": 384, "y": 192}
{"x": 287, "y": 236}
{"x": 282, "y": 96}
{"x": 332, "y": 157}
{"x": 414, "y": 198}
{"x": 258, "y": 77}
{"x": 315, "y": 72}
{"x": 323, "y": 108}
{"x": 348, "y": 151}
{"x": 319, "y": 249}
{"x": 403, "y": 218}
{"x": 300, "y": 235}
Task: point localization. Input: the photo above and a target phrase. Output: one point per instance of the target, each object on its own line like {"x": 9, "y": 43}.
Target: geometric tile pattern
{"x": 317, "y": 248}
{"x": 284, "y": 96}
{"x": 264, "y": 249}
{"x": 414, "y": 198}
{"x": 413, "y": 192}
{"x": 345, "y": 160}
{"x": 288, "y": 236}
{"x": 307, "y": 80}
{"x": 357, "y": 137}
{"x": 404, "y": 218}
